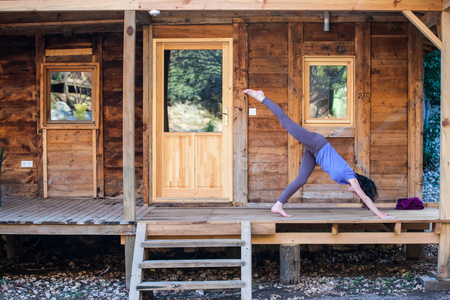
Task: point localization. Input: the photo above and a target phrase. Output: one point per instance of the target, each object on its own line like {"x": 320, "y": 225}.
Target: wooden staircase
{"x": 139, "y": 263}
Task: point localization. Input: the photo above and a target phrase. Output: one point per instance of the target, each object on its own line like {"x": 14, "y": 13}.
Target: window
{"x": 70, "y": 95}
{"x": 193, "y": 97}
{"x": 328, "y": 88}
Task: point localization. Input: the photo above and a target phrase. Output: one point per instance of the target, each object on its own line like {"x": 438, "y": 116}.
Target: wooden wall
{"x": 19, "y": 108}
{"x": 389, "y": 109}
{"x": 274, "y": 56}
{"x": 19, "y": 111}
{"x": 271, "y": 62}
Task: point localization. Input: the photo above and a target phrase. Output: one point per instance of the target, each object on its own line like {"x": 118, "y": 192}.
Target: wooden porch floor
{"x": 105, "y": 216}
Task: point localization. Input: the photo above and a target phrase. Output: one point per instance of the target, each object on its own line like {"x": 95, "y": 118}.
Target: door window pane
{"x": 70, "y": 96}
{"x": 193, "y": 91}
{"x": 328, "y": 92}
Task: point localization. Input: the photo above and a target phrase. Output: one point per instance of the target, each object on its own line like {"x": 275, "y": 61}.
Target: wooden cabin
{"x": 101, "y": 127}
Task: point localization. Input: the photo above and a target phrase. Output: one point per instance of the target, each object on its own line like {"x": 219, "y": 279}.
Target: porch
{"x": 325, "y": 223}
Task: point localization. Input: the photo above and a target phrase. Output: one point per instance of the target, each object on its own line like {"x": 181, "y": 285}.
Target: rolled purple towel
{"x": 409, "y": 203}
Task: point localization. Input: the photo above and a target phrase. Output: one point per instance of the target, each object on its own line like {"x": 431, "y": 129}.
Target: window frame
{"x": 348, "y": 61}
{"x": 46, "y": 69}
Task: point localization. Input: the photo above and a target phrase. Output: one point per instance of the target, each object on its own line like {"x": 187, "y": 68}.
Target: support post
{"x": 147, "y": 108}
{"x": 129, "y": 49}
{"x": 444, "y": 205}
{"x": 289, "y": 264}
{"x": 10, "y": 247}
{"x": 240, "y": 113}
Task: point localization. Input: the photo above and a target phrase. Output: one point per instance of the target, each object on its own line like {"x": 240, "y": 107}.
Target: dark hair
{"x": 368, "y": 187}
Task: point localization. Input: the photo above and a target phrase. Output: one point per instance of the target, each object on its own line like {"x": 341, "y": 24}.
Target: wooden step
{"x": 192, "y": 243}
{"x": 191, "y": 263}
{"x": 189, "y": 285}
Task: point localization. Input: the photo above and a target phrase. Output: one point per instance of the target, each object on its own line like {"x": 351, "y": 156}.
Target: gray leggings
{"x": 313, "y": 143}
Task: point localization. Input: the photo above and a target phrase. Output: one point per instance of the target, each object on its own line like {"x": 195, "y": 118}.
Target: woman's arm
{"x": 355, "y": 184}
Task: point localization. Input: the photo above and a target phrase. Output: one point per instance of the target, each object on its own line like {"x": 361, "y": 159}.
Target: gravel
{"x": 93, "y": 268}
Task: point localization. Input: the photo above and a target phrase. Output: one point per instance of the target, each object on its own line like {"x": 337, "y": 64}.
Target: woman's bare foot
{"x": 258, "y": 95}
{"x": 277, "y": 208}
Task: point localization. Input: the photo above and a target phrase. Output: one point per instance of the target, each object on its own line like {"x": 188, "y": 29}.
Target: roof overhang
{"x": 235, "y": 5}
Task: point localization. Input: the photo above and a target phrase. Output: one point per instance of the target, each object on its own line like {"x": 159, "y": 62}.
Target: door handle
{"x": 225, "y": 114}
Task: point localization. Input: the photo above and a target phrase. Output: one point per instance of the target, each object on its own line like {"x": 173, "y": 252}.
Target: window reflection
{"x": 193, "y": 91}
{"x": 328, "y": 92}
{"x": 70, "y": 96}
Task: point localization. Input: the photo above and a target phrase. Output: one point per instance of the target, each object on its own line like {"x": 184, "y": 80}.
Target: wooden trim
{"x": 68, "y": 52}
{"x": 295, "y": 92}
{"x": 98, "y": 58}
{"x": 360, "y": 238}
{"x": 147, "y": 112}
{"x": 330, "y": 5}
{"x": 443, "y": 267}
{"x": 94, "y": 163}
{"x": 415, "y": 112}
{"x": 45, "y": 86}
{"x": 423, "y": 28}
{"x": 240, "y": 110}
{"x": 446, "y": 6}
{"x": 28, "y": 229}
{"x": 362, "y": 98}
{"x": 206, "y": 5}
{"x": 40, "y": 58}
{"x": 45, "y": 164}
{"x": 129, "y": 60}
{"x": 246, "y": 258}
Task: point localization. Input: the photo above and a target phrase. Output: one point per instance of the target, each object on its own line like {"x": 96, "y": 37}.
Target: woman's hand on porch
{"x": 258, "y": 95}
{"x": 387, "y": 216}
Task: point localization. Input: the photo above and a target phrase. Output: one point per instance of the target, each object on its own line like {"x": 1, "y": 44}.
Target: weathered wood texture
{"x": 112, "y": 114}
{"x": 289, "y": 264}
{"x": 388, "y": 106}
{"x": 19, "y": 108}
{"x": 19, "y": 113}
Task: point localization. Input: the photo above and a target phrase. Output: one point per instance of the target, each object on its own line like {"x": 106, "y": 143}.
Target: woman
{"x": 318, "y": 150}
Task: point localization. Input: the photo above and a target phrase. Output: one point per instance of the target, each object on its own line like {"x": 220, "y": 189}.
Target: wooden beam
{"x": 348, "y": 238}
{"x": 446, "y": 5}
{"x": 205, "y": 5}
{"x": 330, "y": 5}
{"x": 147, "y": 111}
{"x": 68, "y": 52}
{"x": 27, "y": 229}
{"x": 295, "y": 86}
{"x": 415, "y": 112}
{"x": 240, "y": 113}
{"x": 362, "y": 101}
{"x": 128, "y": 116}
{"x": 423, "y": 28}
{"x": 143, "y": 17}
{"x": 444, "y": 211}
{"x": 429, "y": 19}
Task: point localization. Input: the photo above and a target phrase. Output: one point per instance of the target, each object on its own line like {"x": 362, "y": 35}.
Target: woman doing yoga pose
{"x": 318, "y": 150}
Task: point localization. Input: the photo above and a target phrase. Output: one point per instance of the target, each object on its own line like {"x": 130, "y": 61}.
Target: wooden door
{"x": 192, "y": 125}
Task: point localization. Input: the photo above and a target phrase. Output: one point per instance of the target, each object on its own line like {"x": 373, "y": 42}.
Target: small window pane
{"x": 70, "y": 96}
{"x": 328, "y": 92}
{"x": 194, "y": 90}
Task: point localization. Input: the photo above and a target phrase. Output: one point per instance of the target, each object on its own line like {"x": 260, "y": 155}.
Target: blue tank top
{"x": 332, "y": 163}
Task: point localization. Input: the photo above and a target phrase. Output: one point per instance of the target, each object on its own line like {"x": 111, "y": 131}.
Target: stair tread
{"x": 192, "y": 243}
{"x": 191, "y": 263}
{"x": 190, "y": 285}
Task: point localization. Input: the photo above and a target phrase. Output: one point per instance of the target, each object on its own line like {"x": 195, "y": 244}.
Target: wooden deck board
{"x": 306, "y": 215}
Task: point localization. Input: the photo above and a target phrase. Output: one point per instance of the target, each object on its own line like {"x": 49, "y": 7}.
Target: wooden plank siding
{"x": 388, "y": 105}
{"x": 19, "y": 108}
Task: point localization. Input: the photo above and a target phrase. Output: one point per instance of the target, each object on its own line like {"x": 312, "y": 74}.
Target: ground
{"x": 92, "y": 268}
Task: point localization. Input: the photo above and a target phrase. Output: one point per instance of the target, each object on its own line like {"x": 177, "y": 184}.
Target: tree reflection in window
{"x": 328, "y": 92}
{"x": 70, "y": 96}
{"x": 193, "y": 90}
